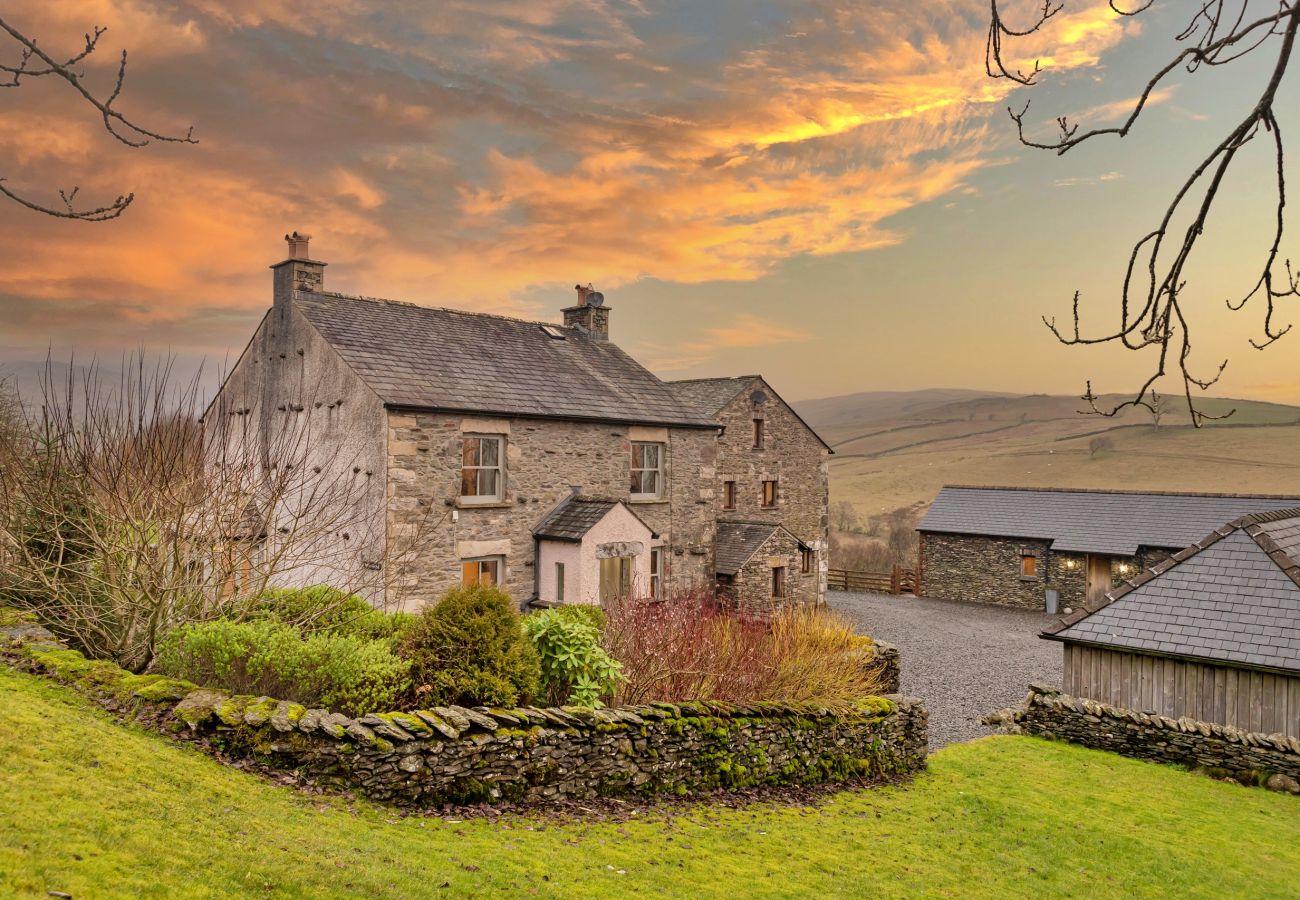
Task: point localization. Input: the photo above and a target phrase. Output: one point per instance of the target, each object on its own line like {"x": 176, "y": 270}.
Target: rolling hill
{"x": 896, "y": 450}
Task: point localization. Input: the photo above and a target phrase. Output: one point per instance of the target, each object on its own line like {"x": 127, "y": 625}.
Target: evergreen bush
{"x": 469, "y": 650}
{"x": 575, "y": 668}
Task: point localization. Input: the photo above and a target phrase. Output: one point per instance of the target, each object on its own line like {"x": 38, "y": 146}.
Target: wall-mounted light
{"x": 1123, "y": 568}
{"x": 1069, "y": 564}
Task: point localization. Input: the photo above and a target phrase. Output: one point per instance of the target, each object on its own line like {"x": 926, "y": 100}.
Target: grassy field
{"x": 95, "y": 809}
{"x": 891, "y": 453}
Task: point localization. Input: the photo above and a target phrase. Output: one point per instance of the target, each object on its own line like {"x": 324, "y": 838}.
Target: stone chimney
{"x": 299, "y": 272}
{"x": 590, "y": 314}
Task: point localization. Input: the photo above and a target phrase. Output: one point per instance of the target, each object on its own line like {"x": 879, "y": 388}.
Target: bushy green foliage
{"x": 337, "y": 671}
{"x": 575, "y": 668}
{"x": 468, "y": 649}
{"x": 321, "y": 609}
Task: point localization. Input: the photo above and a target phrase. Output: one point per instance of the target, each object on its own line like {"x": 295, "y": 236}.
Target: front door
{"x": 1098, "y": 578}
{"x": 616, "y": 578}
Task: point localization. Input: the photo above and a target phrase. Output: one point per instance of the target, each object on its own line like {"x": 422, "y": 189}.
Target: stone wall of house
{"x": 459, "y": 755}
{"x": 544, "y": 460}
{"x": 791, "y": 455}
{"x": 291, "y": 399}
{"x": 1247, "y": 756}
{"x": 752, "y": 589}
{"x": 988, "y": 570}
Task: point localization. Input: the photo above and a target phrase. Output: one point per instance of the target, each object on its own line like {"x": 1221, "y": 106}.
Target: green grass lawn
{"x": 95, "y": 809}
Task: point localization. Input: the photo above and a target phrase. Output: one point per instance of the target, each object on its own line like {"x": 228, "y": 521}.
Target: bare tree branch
{"x": 1152, "y": 317}
{"x": 33, "y": 62}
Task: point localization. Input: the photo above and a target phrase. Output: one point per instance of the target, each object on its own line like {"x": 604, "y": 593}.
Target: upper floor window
{"x": 486, "y": 571}
{"x": 728, "y": 495}
{"x": 759, "y": 436}
{"x": 647, "y": 470}
{"x": 769, "y": 493}
{"x": 480, "y": 467}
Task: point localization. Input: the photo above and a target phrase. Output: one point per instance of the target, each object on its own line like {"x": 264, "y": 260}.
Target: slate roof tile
{"x": 1108, "y": 522}
{"x": 444, "y": 359}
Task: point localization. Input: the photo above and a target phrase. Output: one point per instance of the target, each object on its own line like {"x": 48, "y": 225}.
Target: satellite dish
{"x": 758, "y": 398}
{"x": 595, "y": 298}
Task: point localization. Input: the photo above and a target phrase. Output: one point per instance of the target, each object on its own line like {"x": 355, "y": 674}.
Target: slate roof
{"x": 1109, "y": 522}
{"x": 1232, "y": 597}
{"x": 736, "y": 543}
{"x": 575, "y": 516}
{"x": 710, "y": 395}
{"x": 422, "y": 357}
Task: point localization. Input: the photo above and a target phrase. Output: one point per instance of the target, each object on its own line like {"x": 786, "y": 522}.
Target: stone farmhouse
{"x": 1060, "y": 549}
{"x": 533, "y": 455}
{"x": 1212, "y": 633}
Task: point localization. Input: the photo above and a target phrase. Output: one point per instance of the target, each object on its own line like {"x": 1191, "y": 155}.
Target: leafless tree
{"x": 1100, "y": 445}
{"x": 1160, "y": 406}
{"x": 844, "y": 517}
{"x": 33, "y": 63}
{"x": 121, "y": 515}
{"x": 1152, "y": 303}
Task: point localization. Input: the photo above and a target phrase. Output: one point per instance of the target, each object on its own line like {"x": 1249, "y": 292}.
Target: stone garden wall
{"x": 457, "y": 755}
{"x": 1247, "y": 756}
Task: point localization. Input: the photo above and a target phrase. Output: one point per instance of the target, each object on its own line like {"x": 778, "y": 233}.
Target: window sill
{"x": 646, "y": 501}
{"x": 1029, "y": 578}
{"x": 462, "y": 503}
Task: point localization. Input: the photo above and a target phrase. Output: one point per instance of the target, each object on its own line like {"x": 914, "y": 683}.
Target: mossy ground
{"x": 97, "y": 809}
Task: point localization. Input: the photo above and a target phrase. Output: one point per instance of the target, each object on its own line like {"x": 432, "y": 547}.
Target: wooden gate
{"x": 897, "y": 581}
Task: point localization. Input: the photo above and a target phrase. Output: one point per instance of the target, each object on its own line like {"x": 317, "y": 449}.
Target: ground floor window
{"x": 656, "y": 572}
{"x": 616, "y": 578}
{"x": 1028, "y": 565}
{"x": 805, "y": 560}
{"x": 559, "y": 582}
{"x": 486, "y": 570}
{"x": 778, "y": 582}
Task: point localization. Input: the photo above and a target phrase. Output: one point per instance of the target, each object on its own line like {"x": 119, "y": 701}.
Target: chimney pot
{"x": 298, "y": 245}
{"x": 588, "y": 314}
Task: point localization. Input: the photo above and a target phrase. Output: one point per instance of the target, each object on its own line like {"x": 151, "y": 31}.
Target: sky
{"x": 830, "y": 194}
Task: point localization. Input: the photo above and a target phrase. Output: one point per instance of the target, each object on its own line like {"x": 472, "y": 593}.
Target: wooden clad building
{"x": 1212, "y": 633}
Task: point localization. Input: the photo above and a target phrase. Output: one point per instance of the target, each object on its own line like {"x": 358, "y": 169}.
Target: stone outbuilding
{"x": 1056, "y": 548}
{"x": 762, "y": 566}
{"x": 772, "y": 469}
{"x": 1212, "y": 633}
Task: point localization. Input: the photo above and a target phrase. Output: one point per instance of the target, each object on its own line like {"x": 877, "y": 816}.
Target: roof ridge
{"x": 715, "y": 378}
{"x": 336, "y": 295}
{"x": 1068, "y": 490}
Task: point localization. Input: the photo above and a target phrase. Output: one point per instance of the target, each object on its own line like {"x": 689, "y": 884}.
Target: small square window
{"x": 485, "y": 571}
{"x": 769, "y": 494}
{"x": 728, "y": 495}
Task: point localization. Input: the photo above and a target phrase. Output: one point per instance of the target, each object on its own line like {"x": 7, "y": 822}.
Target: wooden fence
{"x": 897, "y": 581}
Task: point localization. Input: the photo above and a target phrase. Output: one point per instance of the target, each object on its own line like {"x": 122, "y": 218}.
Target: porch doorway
{"x": 1099, "y": 578}
{"x": 616, "y": 578}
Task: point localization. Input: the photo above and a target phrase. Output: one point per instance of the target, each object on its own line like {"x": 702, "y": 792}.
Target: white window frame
{"x": 660, "y": 449}
{"x": 656, "y": 573}
{"x": 498, "y": 561}
{"x": 499, "y": 468}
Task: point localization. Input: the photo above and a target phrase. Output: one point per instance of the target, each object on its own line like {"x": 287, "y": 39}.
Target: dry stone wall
{"x": 459, "y": 755}
{"x": 1248, "y": 756}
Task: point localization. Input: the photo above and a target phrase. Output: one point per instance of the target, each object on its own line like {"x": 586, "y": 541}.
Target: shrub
{"x": 268, "y": 657}
{"x": 687, "y": 647}
{"x": 469, "y": 650}
{"x": 321, "y": 609}
{"x": 575, "y": 669}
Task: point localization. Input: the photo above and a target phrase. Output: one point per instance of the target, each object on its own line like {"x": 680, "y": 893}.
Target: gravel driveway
{"x": 962, "y": 659}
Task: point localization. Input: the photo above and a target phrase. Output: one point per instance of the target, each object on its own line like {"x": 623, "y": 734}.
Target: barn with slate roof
{"x": 1211, "y": 633}
{"x": 466, "y": 447}
{"x": 1057, "y": 548}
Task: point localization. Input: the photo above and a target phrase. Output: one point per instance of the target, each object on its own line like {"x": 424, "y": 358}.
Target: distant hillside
{"x": 897, "y": 449}
{"x": 872, "y": 406}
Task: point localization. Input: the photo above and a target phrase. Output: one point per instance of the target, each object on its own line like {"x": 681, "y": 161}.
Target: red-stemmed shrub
{"x": 688, "y": 646}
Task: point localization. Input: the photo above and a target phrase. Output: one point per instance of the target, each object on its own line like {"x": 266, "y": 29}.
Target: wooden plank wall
{"x": 1254, "y": 701}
